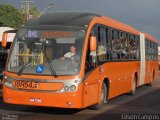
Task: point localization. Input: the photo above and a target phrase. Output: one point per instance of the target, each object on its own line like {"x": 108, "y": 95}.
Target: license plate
{"x": 24, "y": 84}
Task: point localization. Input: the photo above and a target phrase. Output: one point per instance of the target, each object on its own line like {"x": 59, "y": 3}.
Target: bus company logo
{"x": 38, "y": 100}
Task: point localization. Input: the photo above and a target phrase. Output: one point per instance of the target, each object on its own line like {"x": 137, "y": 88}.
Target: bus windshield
{"x": 44, "y": 51}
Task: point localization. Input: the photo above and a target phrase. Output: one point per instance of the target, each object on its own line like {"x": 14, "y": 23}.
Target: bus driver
{"x": 70, "y": 54}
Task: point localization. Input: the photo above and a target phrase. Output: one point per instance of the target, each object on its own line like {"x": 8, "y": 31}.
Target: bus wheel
{"x": 103, "y": 97}
{"x": 133, "y": 91}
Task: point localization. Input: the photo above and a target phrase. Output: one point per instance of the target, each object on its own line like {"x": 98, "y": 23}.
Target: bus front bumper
{"x": 50, "y": 99}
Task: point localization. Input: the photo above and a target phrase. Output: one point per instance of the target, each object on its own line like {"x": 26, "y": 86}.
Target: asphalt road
{"x": 146, "y": 101}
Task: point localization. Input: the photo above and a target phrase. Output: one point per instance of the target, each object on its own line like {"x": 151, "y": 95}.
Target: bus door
{"x": 92, "y": 74}
{"x": 142, "y": 59}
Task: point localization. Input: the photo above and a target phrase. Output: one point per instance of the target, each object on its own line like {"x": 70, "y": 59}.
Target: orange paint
{"x": 4, "y": 39}
{"x": 93, "y": 43}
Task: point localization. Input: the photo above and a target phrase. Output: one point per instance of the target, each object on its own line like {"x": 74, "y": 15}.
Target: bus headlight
{"x": 66, "y": 88}
{"x": 5, "y": 77}
{"x": 8, "y": 84}
{"x": 72, "y": 87}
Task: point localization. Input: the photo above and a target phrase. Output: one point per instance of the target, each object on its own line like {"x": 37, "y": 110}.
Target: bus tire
{"x": 133, "y": 91}
{"x": 103, "y": 97}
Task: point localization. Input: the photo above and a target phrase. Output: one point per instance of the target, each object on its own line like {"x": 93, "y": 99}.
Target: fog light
{"x": 72, "y": 87}
{"x": 66, "y": 88}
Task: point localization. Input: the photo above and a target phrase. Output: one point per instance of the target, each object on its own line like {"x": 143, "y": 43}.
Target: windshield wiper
{"x": 50, "y": 65}
{"x": 21, "y": 70}
{"x": 49, "y": 61}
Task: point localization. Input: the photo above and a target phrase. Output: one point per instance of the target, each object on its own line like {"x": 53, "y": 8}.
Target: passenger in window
{"x": 114, "y": 54}
{"x": 102, "y": 51}
{"x": 125, "y": 53}
{"x": 125, "y": 49}
{"x": 108, "y": 53}
{"x": 133, "y": 49}
{"x": 116, "y": 49}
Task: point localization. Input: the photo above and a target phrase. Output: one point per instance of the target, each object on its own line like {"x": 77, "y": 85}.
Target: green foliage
{"x": 10, "y": 16}
{"x": 34, "y": 12}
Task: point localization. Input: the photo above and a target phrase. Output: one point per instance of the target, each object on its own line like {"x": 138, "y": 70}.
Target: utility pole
{"x": 26, "y": 8}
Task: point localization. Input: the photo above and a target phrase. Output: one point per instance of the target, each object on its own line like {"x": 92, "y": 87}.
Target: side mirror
{"x": 4, "y": 39}
{"x": 93, "y": 43}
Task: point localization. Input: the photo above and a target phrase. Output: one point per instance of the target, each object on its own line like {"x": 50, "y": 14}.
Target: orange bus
{"x": 110, "y": 58}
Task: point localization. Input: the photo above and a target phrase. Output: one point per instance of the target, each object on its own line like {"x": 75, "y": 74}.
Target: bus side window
{"x": 103, "y": 44}
{"x": 155, "y": 51}
{"x": 115, "y": 45}
{"x": 137, "y": 47}
{"x": 151, "y": 50}
{"x": 148, "y": 50}
{"x": 124, "y": 48}
{"x": 132, "y": 47}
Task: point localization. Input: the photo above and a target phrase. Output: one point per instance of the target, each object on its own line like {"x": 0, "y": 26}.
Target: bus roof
{"x": 64, "y": 18}
{"x": 81, "y": 19}
{"x": 119, "y": 25}
{"x": 148, "y": 36}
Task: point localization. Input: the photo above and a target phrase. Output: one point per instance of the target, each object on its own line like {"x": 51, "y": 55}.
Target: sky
{"x": 143, "y": 15}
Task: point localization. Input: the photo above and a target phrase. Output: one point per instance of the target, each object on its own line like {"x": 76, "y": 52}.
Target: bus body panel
{"x": 152, "y": 71}
{"x": 50, "y": 99}
{"x": 91, "y": 88}
{"x": 120, "y": 80}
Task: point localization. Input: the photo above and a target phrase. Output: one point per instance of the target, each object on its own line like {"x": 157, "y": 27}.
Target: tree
{"x": 10, "y": 16}
{"x": 34, "y": 12}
